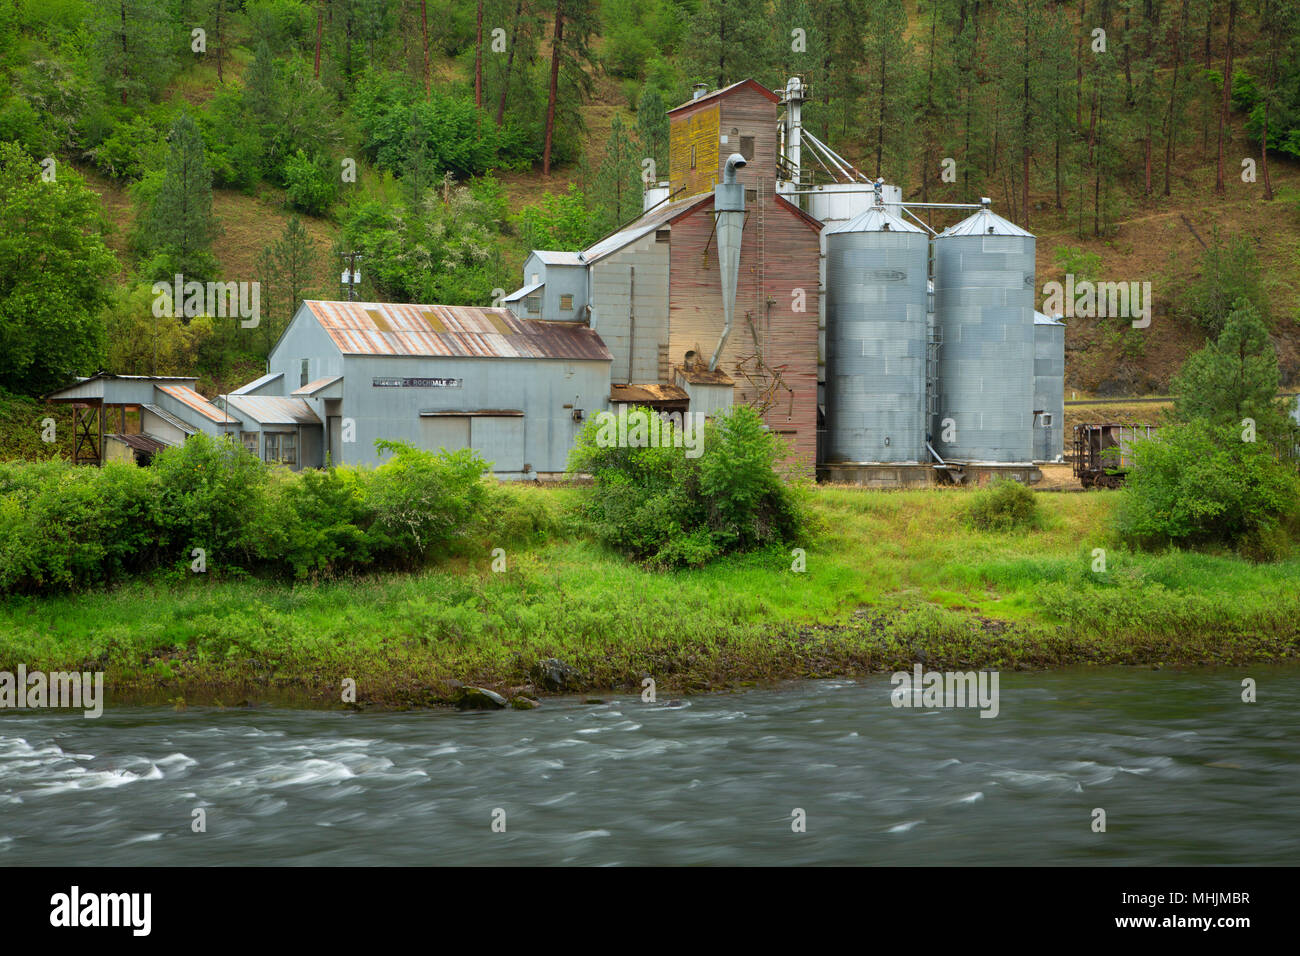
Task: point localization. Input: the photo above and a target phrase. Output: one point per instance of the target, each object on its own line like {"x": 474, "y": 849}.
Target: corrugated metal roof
{"x": 657, "y": 217}
{"x": 985, "y": 222}
{"x": 704, "y": 376}
{"x": 727, "y": 89}
{"x": 145, "y": 443}
{"x": 171, "y": 419}
{"x": 272, "y": 410}
{"x": 452, "y": 331}
{"x": 526, "y": 290}
{"x": 651, "y": 393}
{"x": 553, "y": 258}
{"x": 875, "y": 219}
{"x": 93, "y": 386}
{"x": 311, "y": 388}
{"x": 257, "y": 383}
{"x": 195, "y": 401}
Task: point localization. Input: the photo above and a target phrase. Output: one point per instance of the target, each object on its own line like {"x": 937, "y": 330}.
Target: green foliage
{"x": 1003, "y": 505}
{"x": 439, "y": 250}
{"x": 405, "y": 132}
{"x": 561, "y": 221}
{"x": 66, "y": 528}
{"x": 423, "y": 502}
{"x": 668, "y": 510}
{"x": 312, "y": 183}
{"x": 178, "y": 225}
{"x": 54, "y": 270}
{"x": 1235, "y": 378}
{"x": 1198, "y": 484}
{"x": 210, "y": 491}
{"x": 63, "y": 527}
{"x": 1230, "y": 271}
{"x": 1082, "y": 264}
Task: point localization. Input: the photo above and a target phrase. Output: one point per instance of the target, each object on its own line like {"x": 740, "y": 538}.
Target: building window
{"x": 282, "y": 447}
{"x": 566, "y": 303}
{"x": 692, "y": 156}
{"x": 533, "y": 304}
{"x": 249, "y": 441}
{"x": 747, "y": 147}
{"x": 1047, "y": 419}
{"x": 751, "y": 196}
{"x": 302, "y": 375}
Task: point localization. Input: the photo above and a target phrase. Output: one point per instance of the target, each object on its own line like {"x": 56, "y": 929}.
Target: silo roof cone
{"x": 985, "y": 223}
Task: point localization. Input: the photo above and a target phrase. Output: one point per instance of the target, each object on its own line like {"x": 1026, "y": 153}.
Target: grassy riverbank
{"x": 893, "y": 578}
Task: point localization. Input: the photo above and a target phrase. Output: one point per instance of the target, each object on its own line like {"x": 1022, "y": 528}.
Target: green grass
{"x": 893, "y": 576}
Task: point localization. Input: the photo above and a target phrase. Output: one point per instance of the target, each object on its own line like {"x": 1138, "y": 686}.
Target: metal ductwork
{"x": 729, "y": 207}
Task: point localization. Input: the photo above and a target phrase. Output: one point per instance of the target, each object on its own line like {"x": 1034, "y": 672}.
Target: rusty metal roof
{"x": 649, "y": 394}
{"x": 145, "y": 443}
{"x": 700, "y": 375}
{"x": 195, "y": 401}
{"x": 272, "y": 410}
{"x": 714, "y": 94}
{"x": 311, "y": 388}
{"x": 659, "y": 216}
{"x": 452, "y": 331}
{"x": 171, "y": 419}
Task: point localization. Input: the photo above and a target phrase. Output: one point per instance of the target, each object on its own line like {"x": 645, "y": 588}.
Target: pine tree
{"x": 181, "y": 225}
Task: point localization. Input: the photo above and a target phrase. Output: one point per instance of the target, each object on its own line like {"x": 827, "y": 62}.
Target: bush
{"x": 312, "y": 183}
{"x": 1004, "y": 505}
{"x": 1198, "y": 485}
{"x": 67, "y": 527}
{"x": 210, "y": 493}
{"x": 669, "y": 510}
{"x": 423, "y": 502}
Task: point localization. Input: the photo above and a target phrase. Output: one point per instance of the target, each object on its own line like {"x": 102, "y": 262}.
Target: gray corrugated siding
{"x": 875, "y": 345}
{"x": 610, "y": 299}
{"x": 984, "y": 303}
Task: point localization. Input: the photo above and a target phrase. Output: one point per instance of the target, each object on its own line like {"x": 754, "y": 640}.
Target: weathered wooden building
{"x": 655, "y": 291}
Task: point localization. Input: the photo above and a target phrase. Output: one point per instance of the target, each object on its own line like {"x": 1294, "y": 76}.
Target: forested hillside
{"x": 259, "y": 141}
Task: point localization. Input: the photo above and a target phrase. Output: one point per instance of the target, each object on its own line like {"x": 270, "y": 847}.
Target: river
{"x": 1186, "y": 772}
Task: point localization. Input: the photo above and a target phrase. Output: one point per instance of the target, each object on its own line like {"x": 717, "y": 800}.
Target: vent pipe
{"x": 698, "y": 90}
{"x": 729, "y": 208}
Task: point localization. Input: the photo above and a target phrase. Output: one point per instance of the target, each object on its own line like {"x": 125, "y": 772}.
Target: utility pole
{"x": 351, "y": 277}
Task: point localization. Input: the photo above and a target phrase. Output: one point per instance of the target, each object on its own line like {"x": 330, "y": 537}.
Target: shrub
{"x": 311, "y": 183}
{"x": 210, "y": 492}
{"x": 1198, "y": 484}
{"x": 1004, "y": 505}
{"x": 423, "y": 502}
{"x": 67, "y": 527}
{"x": 669, "y": 510}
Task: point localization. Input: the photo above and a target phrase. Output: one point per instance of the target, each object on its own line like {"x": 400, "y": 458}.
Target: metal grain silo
{"x": 876, "y": 272}
{"x": 984, "y": 307}
{"x": 1049, "y": 387}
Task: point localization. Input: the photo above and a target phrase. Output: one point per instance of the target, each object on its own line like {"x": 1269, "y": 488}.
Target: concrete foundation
{"x": 922, "y": 475}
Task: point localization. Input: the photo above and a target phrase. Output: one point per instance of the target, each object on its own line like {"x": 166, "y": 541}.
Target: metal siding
{"x": 611, "y": 300}
{"x": 788, "y": 339}
{"x": 876, "y": 345}
{"x": 540, "y": 387}
{"x": 984, "y": 305}
{"x": 1049, "y": 389}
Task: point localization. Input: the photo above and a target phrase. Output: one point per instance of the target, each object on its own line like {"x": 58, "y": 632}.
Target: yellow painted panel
{"x": 701, "y": 131}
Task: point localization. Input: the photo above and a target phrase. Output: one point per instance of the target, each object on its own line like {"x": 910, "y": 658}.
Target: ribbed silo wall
{"x": 875, "y": 346}
{"x": 984, "y": 303}
{"x": 1049, "y": 391}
